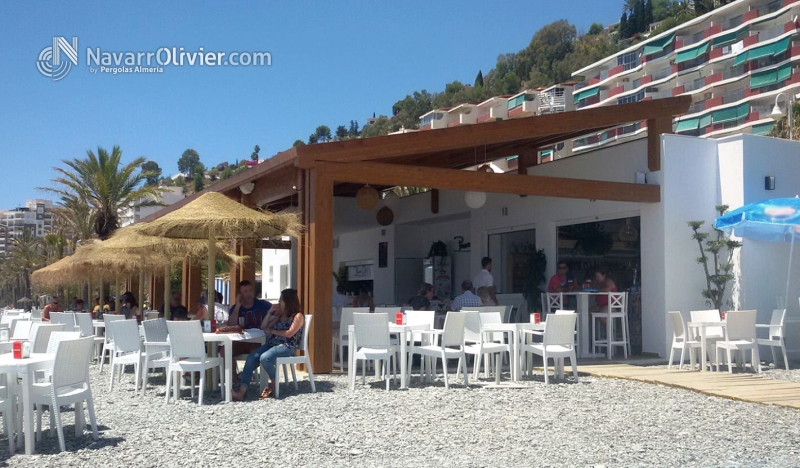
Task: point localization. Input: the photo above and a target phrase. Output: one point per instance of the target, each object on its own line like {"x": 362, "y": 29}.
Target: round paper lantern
{"x": 385, "y": 216}
{"x": 390, "y": 199}
{"x": 475, "y": 199}
{"x": 367, "y": 197}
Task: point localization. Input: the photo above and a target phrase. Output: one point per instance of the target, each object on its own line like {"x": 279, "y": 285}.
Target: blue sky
{"x": 331, "y": 62}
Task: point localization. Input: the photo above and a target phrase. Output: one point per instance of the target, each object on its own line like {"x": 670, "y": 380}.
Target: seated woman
{"x": 283, "y": 325}
{"x": 129, "y": 307}
{"x": 603, "y": 284}
{"x": 364, "y": 299}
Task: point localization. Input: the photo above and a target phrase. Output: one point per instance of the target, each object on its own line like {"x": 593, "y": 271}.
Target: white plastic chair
{"x": 36, "y": 314}
{"x": 291, "y": 361}
{"x": 505, "y": 311}
{"x": 40, "y": 335}
{"x": 127, "y": 350}
{"x": 681, "y": 340}
{"x": 156, "y": 348}
{"x": 451, "y": 345}
{"x": 83, "y": 322}
{"x": 56, "y": 317}
{"x": 340, "y": 339}
{"x": 617, "y": 309}
{"x": 69, "y": 385}
{"x": 775, "y": 335}
{"x": 188, "y": 354}
{"x": 371, "y": 344}
{"x": 479, "y": 344}
{"x": 713, "y": 334}
{"x": 557, "y": 343}
{"x": 552, "y": 303}
{"x": 390, "y": 311}
{"x": 108, "y": 342}
{"x": 8, "y": 410}
{"x": 22, "y": 330}
{"x": 740, "y": 335}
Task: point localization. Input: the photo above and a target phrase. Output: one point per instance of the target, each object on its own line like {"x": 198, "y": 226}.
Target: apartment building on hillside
{"x": 734, "y": 61}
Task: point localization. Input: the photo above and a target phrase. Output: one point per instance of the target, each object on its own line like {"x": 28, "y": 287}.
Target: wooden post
{"x": 655, "y": 128}
{"x": 156, "y": 291}
{"x": 320, "y": 265}
{"x": 191, "y": 284}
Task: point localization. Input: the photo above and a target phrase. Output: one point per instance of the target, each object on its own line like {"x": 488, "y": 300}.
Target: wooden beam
{"x": 320, "y": 268}
{"x": 655, "y": 128}
{"x": 456, "y": 179}
{"x": 490, "y": 133}
{"x": 527, "y": 157}
{"x": 281, "y": 183}
{"x": 435, "y": 201}
{"x": 191, "y": 285}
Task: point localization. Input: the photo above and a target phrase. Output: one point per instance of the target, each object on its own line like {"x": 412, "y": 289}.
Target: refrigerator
{"x": 438, "y": 271}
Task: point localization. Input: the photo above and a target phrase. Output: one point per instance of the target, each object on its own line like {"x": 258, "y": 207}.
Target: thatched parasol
{"x": 213, "y": 216}
{"x": 157, "y": 252}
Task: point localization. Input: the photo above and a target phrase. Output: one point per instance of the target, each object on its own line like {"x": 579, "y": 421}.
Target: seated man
{"x": 80, "y": 306}
{"x": 563, "y": 281}
{"x": 177, "y": 311}
{"x": 248, "y": 312}
{"x": 53, "y": 306}
{"x": 467, "y": 298}
{"x": 486, "y": 297}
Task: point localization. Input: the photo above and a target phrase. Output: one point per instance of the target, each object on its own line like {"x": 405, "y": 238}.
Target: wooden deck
{"x": 738, "y": 386}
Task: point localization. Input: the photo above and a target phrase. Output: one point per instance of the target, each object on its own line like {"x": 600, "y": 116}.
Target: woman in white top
{"x": 220, "y": 311}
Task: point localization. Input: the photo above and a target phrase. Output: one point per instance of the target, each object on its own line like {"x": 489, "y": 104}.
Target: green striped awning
{"x": 725, "y": 115}
{"x": 766, "y": 78}
{"x": 762, "y": 129}
{"x": 763, "y": 51}
{"x": 686, "y": 125}
{"x": 785, "y": 72}
{"x": 691, "y": 54}
{"x": 586, "y": 93}
{"x": 728, "y": 38}
{"x": 658, "y": 45}
{"x": 705, "y": 121}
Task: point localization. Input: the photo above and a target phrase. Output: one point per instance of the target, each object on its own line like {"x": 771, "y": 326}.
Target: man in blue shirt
{"x": 467, "y": 298}
{"x": 248, "y": 312}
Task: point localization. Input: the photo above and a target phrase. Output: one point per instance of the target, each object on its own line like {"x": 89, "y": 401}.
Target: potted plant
{"x": 717, "y": 248}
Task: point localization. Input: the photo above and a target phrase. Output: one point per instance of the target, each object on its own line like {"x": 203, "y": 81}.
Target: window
{"x": 428, "y": 119}
{"x": 632, "y": 98}
{"x": 629, "y": 60}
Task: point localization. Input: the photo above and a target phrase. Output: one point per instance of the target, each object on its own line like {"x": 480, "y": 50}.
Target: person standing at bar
{"x": 484, "y": 279}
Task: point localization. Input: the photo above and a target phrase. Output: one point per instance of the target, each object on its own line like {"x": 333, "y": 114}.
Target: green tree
{"x": 298, "y": 143}
{"x": 107, "y": 185}
{"x": 505, "y": 78}
{"x": 323, "y": 134}
{"x": 152, "y": 172}
{"x": 75, "y": 218}
{"x": 313, "y": 139}
{"x": 341, "y": 132}
{"x": 648, "y": 13}
{"x": 624, "y": 29}
{"x": 408, "y": 111}
{"x": 544, "y": 56}
{"x": 27, "y": 255}
{"x": 226, "y": 173}
{"x": 353, "y": 130}
{"x": 382, "y": 126}
{"x": 479, "y": 79}
{"x": 187, "y": 162}
{"x": 595, "y": 28}
{"x": 254, "y": 154}
{"x": 198, "y": 183}
{"x": 719, "y": 251}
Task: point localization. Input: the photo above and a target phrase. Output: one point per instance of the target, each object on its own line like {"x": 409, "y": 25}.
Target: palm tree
{"x": 74, "y": 219}
{"x": 107, "y": 186}
{"x": 27, "y": 254}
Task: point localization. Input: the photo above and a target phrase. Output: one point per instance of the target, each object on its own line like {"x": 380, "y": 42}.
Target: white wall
{"x": 276, "y": 259}
{"x": 363, "y": 245}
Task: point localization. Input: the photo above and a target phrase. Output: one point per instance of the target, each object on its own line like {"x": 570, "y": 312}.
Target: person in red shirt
{"x": 603, "y": 284}
{"x": 562, "y": 281}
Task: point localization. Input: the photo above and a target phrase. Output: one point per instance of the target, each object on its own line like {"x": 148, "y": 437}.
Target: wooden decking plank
{"x": 738, "y": 386}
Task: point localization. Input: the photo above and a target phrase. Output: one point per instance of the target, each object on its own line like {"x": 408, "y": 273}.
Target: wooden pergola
{"x": 308, "y": 177}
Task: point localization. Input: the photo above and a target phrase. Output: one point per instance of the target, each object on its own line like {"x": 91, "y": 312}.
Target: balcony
{"x": 711, "y": 30}
{"x": 750, "y": 15}
{"x": 614, "y": 91}
{"x": 712, "y": 78}
{"x": 678, "y": 90}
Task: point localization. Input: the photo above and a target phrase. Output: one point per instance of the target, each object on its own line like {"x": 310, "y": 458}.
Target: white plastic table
{"x": 249, "y": 336}
{"x": 515, "y": 330}
{"x": 702, "y": 327}
{"x": 403, "y": 332}
{"x": 25, "y": 368}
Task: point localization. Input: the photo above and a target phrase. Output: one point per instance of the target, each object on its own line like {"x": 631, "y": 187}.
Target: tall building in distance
{"x": 36, "y": 216}
{"x": 734, "y": 61}
{"x": 134, "y": 215}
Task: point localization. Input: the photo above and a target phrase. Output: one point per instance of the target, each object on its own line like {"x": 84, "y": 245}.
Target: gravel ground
{"x": 596, "y": 422}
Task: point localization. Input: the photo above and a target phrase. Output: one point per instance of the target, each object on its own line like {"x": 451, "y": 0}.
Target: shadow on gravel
{"x": 49, "y": 444}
